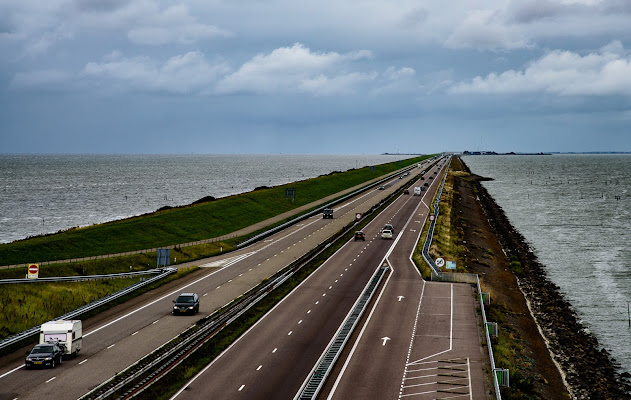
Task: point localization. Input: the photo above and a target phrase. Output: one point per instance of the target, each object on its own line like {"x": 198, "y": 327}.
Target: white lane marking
{"x": 227, "y": 261}
{"x": 83, "y": 361}
{"x": 385, "y": 340}
{"x": 218, "y": 287}
{"x": 274, "y": 351}
{"x": 317, "y": 302}
{"x": 135, "y": 333}
{"x": 323, "y": 294}
{"x": 259, "y": 367}
{"x": 51, "y": 379}
{"x": 111, "y": 345}
{"x": 241, "y": 388}
{"x": 290, "y": 332}
{"x": 299, "y": 322}
{"x": 309, "y": 312}
{"x": 205, "y": 294}
{"x": 330, "y": 287}
{"x": 155, "y": 322}
{"x": 13, "y": 370}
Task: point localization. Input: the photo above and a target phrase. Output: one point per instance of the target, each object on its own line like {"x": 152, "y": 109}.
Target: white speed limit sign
{"x": 439, "y": 262}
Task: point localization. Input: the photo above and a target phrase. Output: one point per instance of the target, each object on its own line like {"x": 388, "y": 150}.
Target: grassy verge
{"x": 187, "y": 223}
{"x": 27, "y": 305}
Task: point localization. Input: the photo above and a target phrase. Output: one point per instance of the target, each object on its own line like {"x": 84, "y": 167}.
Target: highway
{"x": 413, "y": 323}
{"x": 130, "y": 331}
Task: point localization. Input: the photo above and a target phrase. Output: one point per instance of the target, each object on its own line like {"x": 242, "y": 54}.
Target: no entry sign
{"x": 33, "y": 271}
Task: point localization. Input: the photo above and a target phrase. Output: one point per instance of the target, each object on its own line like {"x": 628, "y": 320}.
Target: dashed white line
{"x": 289, "y": 333}
{"x": 259, "y": 368}
{"x": 299, "y": 322}
{"x": 155, "y": 322}
{"x": 309, "y": 312}
{"x": 83, "y": 361}
{"x": 110, "y": 346}
{"x": 135, "y": 333}
{"x": 51, "y": 379}
{"x": 241, "y": 388}
{"x": 274, "y": 351}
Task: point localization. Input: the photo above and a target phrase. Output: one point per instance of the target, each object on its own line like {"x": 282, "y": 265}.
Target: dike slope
{"x": 589, "y": 371}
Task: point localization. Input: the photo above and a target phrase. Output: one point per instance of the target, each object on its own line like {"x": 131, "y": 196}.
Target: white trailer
{"x": 67, "y": 333}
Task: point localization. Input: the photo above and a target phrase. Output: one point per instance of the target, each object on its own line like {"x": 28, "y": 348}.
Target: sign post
{"x": 33, "y": 271}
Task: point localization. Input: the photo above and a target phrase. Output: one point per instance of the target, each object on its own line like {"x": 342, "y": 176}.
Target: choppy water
{"x": 575, "y": 212}
{"x": 47, "y": 193}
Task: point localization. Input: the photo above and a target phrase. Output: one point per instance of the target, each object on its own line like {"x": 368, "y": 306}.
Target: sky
{"x": 314, "y": 77}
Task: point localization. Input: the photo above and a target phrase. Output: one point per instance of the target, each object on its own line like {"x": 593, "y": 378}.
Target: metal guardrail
{"x": 82, "y": 277}
{"x": 316, "y": 379}
{"x": 459, "y": 277}
{"x": 88, "y": 307}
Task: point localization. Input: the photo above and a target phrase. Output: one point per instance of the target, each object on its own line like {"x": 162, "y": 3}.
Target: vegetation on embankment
{"x": 460, "y": 236}
{"x": 23, "y": 306}
{"x": 190, "y": 223}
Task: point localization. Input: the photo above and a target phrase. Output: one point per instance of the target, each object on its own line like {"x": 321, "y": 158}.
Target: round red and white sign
{"x": 33, "y": 269}
{"x": 431, "y": 217}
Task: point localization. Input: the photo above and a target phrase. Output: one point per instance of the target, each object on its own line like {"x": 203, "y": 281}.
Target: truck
{"x": 327, "y": 213}
{"x": 417, "y": 191}
{"x": 67, "y": 334}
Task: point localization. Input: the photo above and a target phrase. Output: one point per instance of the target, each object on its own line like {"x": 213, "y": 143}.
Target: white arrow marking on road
{"x": 385, "y": 339}
{"x": 401, "y": 297}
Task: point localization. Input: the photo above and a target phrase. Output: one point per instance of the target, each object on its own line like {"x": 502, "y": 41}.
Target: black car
{"x": 359, "y": 235}
{"x": 406, "y": 191}
{"x": 186, "y": 303}
{"x": 44, "y": 355}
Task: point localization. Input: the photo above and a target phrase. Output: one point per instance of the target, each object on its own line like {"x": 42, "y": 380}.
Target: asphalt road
{"x": 130, "y": 331}
{"x": 273, "y": 358}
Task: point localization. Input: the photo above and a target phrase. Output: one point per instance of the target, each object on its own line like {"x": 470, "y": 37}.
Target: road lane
{"x": 286, "y": 343}
{"x": 132, "y": 333}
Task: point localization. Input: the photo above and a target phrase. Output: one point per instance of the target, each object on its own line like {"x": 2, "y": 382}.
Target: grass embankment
{"x": 187, "y": 223}
{"x": 23, "y": 306}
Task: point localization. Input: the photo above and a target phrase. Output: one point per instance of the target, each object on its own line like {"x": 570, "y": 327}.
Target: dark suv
{"x": 44, "y": 355}
{"x": 186, "y": 303}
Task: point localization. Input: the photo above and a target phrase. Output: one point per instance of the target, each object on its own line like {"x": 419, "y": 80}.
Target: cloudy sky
{"x": 314, "y": 77}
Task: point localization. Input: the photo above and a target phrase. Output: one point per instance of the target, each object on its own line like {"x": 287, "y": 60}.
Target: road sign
{"x": 439, "y": 262}
{"x": 451, "y": 265}
{"x": 358, "y": 216}
{"x": 431, "y": 217}
{"x": 33, "y": 271}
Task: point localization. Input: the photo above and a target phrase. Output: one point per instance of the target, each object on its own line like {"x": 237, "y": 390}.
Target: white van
{"x": 67, "y": 333}
{"x": 417, "y": 191}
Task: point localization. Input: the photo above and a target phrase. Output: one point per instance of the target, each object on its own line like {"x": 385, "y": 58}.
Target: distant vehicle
{"x": 68, "y": 334}
{"x": 388, "y": 227}
{"x": 422, "y": 178}
{"x": 401, "y": 176}
{"x": 44, "y": 355}
{"x": 417, "y": 191}
{"x": 386, "y": 234}
{"x": 431, "y": 177}
{"x": 423, "y": 188}
{"x": 406, "y": 191}
{"x": 186, "y": 303}
{"x": 426, "y": 184}
{"x": 327, "y": 213}
{"x": 382, "y": 188}
{"x": 359, "y": 235}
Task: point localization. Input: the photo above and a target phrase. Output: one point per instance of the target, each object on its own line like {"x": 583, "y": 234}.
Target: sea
{"x": 575, "y": 213}
{"x": 46, "y": 193}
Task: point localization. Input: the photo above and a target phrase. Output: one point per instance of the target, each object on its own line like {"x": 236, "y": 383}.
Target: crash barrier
{"x": 88, "y": 307}
{"x": 500, "y": 375}
{"x": 81, "y": 277}
{"x": 317, "y": 377}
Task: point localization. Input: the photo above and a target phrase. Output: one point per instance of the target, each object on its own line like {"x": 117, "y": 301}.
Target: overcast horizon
{"x": 280, "y": 77}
